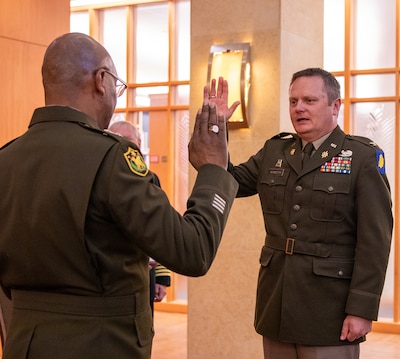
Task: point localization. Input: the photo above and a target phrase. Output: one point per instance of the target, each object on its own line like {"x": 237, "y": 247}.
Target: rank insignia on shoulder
{"x": 135, "y": 162}
{"x": 380, "y": 161}
{"x": 283, "y": 136}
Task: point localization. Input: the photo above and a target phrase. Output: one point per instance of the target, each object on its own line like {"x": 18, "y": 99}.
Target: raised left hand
{"x": 219, "y": 96}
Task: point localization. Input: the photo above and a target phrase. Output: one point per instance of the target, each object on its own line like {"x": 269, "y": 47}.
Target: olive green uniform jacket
{"x": 328, "y": 234}
{"x": 79, "y": 218}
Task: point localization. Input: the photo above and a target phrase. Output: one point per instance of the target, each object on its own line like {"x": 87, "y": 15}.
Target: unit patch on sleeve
{"x": 380, "y": 161}
{"x": 135, "y": 162}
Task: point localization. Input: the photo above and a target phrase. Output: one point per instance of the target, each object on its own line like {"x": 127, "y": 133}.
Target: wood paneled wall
{"x": 26, "y": 29}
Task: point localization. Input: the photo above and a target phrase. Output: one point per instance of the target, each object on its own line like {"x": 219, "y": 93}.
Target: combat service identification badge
{"x": 135, "y": 162}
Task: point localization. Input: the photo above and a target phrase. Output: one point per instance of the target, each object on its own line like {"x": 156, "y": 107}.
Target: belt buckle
{"x": 289, "y": 246}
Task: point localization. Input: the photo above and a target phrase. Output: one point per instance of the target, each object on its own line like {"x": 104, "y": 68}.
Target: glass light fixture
{"x": 232, "y": 62}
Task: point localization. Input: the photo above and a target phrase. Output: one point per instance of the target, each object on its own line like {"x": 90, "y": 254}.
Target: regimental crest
{"x": 135, "y": 162}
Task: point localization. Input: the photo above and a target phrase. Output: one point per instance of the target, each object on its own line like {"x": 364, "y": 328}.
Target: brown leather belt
{"x": 80, "y": 305}
{"x": 292, "y": 245}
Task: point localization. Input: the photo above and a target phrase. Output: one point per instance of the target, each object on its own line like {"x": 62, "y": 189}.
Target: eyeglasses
{"x": 119, "y": 87}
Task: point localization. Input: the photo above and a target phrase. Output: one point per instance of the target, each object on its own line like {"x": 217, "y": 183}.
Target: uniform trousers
{"x": 278, "y": 350}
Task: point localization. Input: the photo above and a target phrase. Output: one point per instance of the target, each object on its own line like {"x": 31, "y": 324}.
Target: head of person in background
{"x": 127, "y": 130}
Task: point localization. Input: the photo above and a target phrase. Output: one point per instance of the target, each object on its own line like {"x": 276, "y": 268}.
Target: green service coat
{"x": 80, "y": 215}
{"x": 328, "y": 234}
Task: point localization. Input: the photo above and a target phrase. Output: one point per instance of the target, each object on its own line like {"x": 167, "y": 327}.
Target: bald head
{"x": 126, "y": 129}
{"x": 73, "y": 75}
{"x": 70, "y": 59}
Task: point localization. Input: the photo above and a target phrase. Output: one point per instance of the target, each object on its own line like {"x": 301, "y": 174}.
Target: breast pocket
{"x": 330, "y": 196}
{"x": 272, "y": 189}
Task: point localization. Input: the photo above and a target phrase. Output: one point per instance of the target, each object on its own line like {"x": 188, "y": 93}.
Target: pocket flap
{"x": 266, "y": 256}
{"x": 144, "y": 329}
{"x": 334, "y": 268}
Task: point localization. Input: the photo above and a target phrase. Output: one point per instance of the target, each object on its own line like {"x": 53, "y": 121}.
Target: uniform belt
{"x": 292, "y": 245}
{"x": 80, "y": 305}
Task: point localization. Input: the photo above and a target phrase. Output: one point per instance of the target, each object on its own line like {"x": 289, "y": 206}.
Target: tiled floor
{"x": 381, "y": 346}
{"x": 170, "y": 340}
{"x": 170, "y": 336}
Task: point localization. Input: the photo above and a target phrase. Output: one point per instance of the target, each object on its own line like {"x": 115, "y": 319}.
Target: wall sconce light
{"x": 232, "y": 62}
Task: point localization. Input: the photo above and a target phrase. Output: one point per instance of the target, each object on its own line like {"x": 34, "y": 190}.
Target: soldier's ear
{"x": 336, "y": 106}
{"x": 99, "y": 81}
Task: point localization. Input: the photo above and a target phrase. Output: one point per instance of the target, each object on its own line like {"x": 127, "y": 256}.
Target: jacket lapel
{"x": 293, "y": 155}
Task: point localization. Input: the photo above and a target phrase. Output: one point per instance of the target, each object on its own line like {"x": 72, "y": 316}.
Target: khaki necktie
{"x": 309, "y": 147}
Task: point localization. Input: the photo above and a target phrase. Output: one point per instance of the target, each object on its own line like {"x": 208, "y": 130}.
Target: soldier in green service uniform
{"x": 80, "y": 216}
{"x": 328, "y": 223}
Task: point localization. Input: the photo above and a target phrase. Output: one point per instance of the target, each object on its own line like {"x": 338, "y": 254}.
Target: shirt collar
{"x": 317, "y": 143}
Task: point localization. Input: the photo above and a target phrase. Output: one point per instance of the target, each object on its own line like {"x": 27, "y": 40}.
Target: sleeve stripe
{"x": 219, "y": 203}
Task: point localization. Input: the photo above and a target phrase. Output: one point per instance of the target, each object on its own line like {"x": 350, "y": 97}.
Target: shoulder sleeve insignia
{"x": 135, "y": 162}
{"x": 380, "y": 161}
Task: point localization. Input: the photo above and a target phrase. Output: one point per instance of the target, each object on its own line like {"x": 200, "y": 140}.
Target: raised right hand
{"x": 207, "y": 146}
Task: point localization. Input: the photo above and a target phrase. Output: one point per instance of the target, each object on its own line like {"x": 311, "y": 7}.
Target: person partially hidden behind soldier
{"x": 327, "y": 211}
{"x": 81, "y": 215}
{"x": 160, "y": 277}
